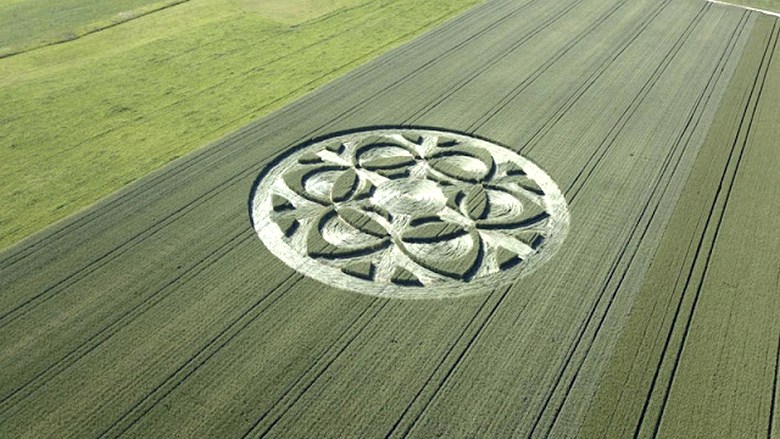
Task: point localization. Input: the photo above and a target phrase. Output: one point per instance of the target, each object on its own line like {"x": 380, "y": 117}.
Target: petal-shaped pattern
{"x": 384, "y": 156}
{"x": 457, "y": 258}
{"x": 521, "y": 180}
{"x": 313, "y": 182}
{"x": 532, "y": 215}
{"x": 461, "y": 167}
{"x": 464, "y": 163}
{"x": 433, "y": 231}
{"x": 331, "y": 237}
{"x": 344, "y": 186}
{"x": 476, "y": 203}
{"x": 363, "y": 222}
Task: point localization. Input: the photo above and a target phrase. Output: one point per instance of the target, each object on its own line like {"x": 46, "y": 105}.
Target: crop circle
{"x": 409, "y": 213}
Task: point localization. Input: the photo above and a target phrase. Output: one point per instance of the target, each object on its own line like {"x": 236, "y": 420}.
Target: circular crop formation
{"x": 409, "y": 213}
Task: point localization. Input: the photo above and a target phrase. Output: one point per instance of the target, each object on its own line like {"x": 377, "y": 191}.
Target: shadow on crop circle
{"x": 408, "y": 212}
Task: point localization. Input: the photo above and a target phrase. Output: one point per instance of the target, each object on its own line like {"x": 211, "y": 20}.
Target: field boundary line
{"x": 763, "y": 11}
{"x": 94, "y": 31}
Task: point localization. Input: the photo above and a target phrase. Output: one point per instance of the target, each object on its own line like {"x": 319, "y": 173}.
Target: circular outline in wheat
{"x": 409, "y": 213}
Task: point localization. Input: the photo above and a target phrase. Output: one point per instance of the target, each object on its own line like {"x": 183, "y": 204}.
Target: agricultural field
{"x": 30, "y": 24}
{"x": 766, "y": 5}
{"x": 536, "y": 219}
{"x": 80, "y": 120}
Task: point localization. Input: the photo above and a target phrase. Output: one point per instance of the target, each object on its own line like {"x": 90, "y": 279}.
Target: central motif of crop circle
{"x": 409, "y": 213}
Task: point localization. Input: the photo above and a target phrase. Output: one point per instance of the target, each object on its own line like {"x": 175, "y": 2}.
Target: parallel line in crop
{"x": 124, "y": 319}
{"x": 483, "y": 324}
{"x": 667, "y": 59}
{"x": 644, "y": 23}
{"x": 457, "y": 86}
{"x": 647, "y": 215}
{"x": 292, "y": 394}
{"x": 773, "y": 405}
{"x": 443, "y": 365}
{"x": 51, "y": 291}
{"x": 447, "y": 365}
{"x": 770, "y": 55}
{"x": 137, "y": 191}
{"x": 59, "y": 364}
{"x": 635, "y": 361}
{"x": 122, "y": 247}
{"x": 592, "y": 164}
{"x": 41, "y": 297}
{"x": 564, "y": 108}
{"x": 695, "y": 113}
{"x": 299, "y": 386}
{"x": 702, "y": 255}
{"x": 208, "y": 350}
{"x": 523, "y": 85}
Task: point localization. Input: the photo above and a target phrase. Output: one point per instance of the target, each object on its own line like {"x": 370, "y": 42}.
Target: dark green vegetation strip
{"x": 158, "y": 312}
{"x": 698, "y": 356}
{"x": 82, "y": 119}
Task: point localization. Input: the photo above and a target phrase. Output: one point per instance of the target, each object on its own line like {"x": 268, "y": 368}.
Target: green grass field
{"x": 200, "y": 300}
{"x": 82, "y": 119}
{"x": 27, "y": 24}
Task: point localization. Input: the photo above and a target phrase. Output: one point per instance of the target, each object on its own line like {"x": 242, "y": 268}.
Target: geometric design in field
{"x": 409, "y": 213}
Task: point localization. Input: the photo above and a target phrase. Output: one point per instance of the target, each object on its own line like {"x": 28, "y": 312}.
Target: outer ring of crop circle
{"x": 272, "y": 237}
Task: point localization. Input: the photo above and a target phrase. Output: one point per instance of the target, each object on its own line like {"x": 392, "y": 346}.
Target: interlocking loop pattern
{"x": 409, "y": 213}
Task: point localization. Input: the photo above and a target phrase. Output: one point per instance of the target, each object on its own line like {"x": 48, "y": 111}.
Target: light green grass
{"x": 26, "y": 24}
{"x": 80, "y": 120}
